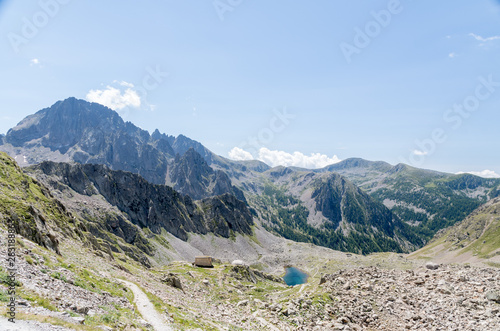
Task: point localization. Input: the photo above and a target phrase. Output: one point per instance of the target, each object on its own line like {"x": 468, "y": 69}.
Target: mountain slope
{"x": 475, "y": 239}
{"x": 427, "y": 199}
{"x": 191, "y": 175}
{"x": 155, "y": 207}
{"x": 328, "y": 210}
{"x": 30, "y": 207}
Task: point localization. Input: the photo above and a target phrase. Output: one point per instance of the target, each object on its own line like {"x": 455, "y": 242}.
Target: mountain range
{"x": 155, "y": 182}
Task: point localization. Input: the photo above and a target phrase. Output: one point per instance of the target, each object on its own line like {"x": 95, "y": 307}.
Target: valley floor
{"x": 83, "y": 290}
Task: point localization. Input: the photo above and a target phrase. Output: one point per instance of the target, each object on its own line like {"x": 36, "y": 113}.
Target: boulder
{"x": 492, "y": 296}
{"x": 431, "y": 265}
{"x": 82, "y": 310}
{"x": 243, "y": 273}
{"x": 172, "y": 280}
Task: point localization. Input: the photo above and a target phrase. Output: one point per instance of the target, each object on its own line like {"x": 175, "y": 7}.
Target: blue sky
{"x": 300, "y": 82}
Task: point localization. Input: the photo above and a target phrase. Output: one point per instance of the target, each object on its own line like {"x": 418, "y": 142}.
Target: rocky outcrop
{"x": 225, "y": 215}
{"x": 172, "y": 280}
{"x": 149, "y": 205}
{"x": 190, "y": 174}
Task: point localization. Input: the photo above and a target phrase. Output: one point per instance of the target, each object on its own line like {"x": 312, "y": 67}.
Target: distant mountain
{"x": 75, "y": 130}
{"x": 328, "y": 210}
{"x": 357, "y": 165}
{"x": 427, "y": 199}
{"x": 89, "y": 133}
{"x": 354, "y": 205}
{"x": 191, "y": 175}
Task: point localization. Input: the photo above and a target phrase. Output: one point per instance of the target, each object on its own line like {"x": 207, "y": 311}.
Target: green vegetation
{"x": 4, "y": 297}
{"x": 478, "y": 234}
{"x": 29, "y": 259}
{"x": 440, "y": 201}
{"x": 29, "y": 204}
{"x": 287, "y": 217}
{"x": 38, "y": 300}
{"x": 5, "y": 280}
{"x": 89, "y": 281}
{"x": 434, "y": 201}
{"x": 58, "y": 275}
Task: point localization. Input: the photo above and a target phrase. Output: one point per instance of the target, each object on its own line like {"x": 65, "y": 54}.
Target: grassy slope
{"x": 476, "y": 238}
{"x": 36, "y": 214}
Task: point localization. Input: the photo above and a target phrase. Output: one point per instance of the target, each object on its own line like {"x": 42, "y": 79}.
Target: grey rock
{"x": 83, "y": 310}
{"x": 492, "y": 296}
{"x": 242, "y": 303}
{"x": 172, "y": 280}
{"x": 146, "y": 204}
{"x": 84, "y": 132}
{"x": 431, "y": 265}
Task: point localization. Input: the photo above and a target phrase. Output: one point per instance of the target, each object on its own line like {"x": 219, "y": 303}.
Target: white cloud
{"x": 420, "y": 153}
{"x": 239, "y": 154}
{"x": 116, "y": 98}
{"x": 123, "y": 83}
{"x": 34, "y": 62}
{"x": 484, "y": 173}
{"x": 452, "y": 55}
{"x": 276, "y": 158}
{"x": 482, "y": 39}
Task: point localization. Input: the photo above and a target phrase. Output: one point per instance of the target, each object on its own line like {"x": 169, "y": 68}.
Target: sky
{"x": 303, "y": 83}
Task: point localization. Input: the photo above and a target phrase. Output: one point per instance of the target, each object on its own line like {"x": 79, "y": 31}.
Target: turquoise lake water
{"x": 294, "y": 276}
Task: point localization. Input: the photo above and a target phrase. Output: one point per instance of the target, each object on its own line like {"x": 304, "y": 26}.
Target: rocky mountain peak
{"x": 64, "y": 124}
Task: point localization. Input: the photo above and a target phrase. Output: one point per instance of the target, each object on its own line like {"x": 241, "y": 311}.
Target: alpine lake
{"x": 294, "y": 276}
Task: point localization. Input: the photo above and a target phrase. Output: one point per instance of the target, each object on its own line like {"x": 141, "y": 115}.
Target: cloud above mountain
{"x": 239, "y": 154}
{"x": 277, "y": 158}
{"x": 116, "y": 97}
{"x": 484, "y": 173}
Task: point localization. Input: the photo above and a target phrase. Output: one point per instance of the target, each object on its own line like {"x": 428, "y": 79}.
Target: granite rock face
{"x": 88, "y": 133}
{"x": 191, "y": 175}
{"x": 149, "y": 205}
{"x": 75, "y": 130}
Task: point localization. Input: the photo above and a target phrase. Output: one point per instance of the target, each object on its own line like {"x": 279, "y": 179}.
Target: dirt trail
{"x": 147, "y": 309}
